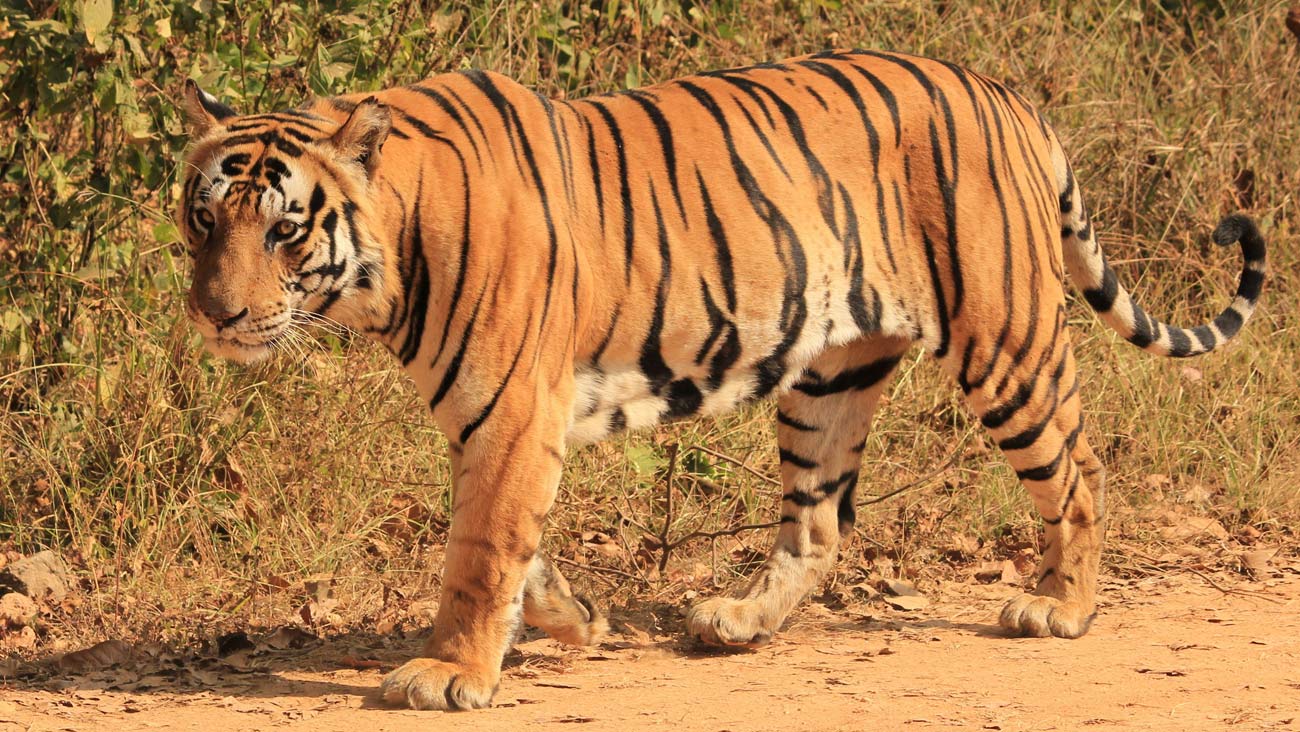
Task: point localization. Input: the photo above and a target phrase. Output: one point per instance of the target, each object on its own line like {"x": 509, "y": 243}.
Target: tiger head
{"x": 274, "y": 211}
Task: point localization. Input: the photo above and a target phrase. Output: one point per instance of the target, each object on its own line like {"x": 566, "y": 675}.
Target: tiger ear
{"x": 203, "y": 112}
{"x": 360, "y": 138}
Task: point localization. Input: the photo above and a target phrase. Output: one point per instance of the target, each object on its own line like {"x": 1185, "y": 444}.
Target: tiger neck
{"x": 379, "y": 291}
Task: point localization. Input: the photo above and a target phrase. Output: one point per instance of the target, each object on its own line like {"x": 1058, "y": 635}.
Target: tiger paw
{"x": 1041, "y": 616}
{"x": 724, "y": 621}
{"x": 586, "y": 626}
{"x": 427, "y": 683}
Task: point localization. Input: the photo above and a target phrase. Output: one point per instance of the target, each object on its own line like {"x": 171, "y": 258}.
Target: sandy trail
{"x": 1166, "y": 654}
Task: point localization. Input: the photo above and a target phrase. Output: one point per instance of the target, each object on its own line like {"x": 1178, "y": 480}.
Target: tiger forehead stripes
{"x": 552, "y": 272}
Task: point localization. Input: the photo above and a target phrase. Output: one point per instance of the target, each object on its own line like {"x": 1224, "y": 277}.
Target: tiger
{"x": 552, "y": 272}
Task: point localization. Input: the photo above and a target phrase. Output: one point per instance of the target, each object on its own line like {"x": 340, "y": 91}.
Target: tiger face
{"x": 270, "y": 214}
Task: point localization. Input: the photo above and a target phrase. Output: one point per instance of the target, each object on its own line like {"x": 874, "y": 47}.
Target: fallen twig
{"x": 725, "y": 532}
{"x": 1230, "y": 590}
{"x": 599, "y": 570}
{"x": 952, "y": 459}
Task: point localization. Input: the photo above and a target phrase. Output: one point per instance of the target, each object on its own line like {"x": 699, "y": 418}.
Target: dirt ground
{"x": 1168, "y": 653}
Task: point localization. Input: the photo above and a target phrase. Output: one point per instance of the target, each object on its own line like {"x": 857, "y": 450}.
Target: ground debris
{"x": 903, "y": 595}
{"x": 1161, "y": 672}
{"x": 99, "y": 656}
{"x": 16, "y": 611}
{"x": 1004, "y": 572}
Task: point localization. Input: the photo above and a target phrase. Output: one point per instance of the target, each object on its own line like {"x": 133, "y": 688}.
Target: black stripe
{"x": 717, "y": 322}
{"x": 510, "y": 119}
{"x": 866, "y": 319}
{"x": 447, "y": 107}
{"x": 887, "y": 96}
{"x": 566, "y": 168}
{"x": 625, "y": 188}
{"x": 684, "y": 399}
{"x": 609, "y": 334}
{"x": 463, "y": 263}
{"x": 936, "y": 283}
{"x": 821, "y": 179}
{"x": 793, "y": 307}
{"x": 453, "y": 367}
{"x": 594, "y": 163}
{"x": 665, "y": 134}
{"x": 796, "y": 460}
{"x": 1252, "y": 283}
{"x": 652, "y": 362}
{"x": 503, "y": 108}
{"x": 1229, "y": 322}
{"x": 721, "y": 249}
{"x": 1042, "y": 472}
{"x": 793, "y": 423}
{"x": 860, "y": 378}
{"x": 847, "y": 513}
{"x": 1001, "y": 414}
{"x": 486, "y": 412}
{"x": 1180, "y": 342}
{"x": 1102, "y": 299}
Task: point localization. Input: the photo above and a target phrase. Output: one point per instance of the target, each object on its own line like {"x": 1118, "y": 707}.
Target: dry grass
{"x": 190, "y": 492}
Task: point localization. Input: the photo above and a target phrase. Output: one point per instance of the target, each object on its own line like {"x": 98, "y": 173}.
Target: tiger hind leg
{"x": 822, "y": 426}
{"x": 1033, "y": 412}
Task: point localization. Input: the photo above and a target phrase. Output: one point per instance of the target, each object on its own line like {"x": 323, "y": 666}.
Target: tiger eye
{"x": 205, "y": 217}
{"x": 285, "y": 228}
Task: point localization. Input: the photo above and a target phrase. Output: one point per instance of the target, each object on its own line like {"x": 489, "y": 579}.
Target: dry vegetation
{"x": 194, "y": 496}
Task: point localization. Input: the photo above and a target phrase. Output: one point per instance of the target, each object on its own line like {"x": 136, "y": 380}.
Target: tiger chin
{"x": 552, "y": 272}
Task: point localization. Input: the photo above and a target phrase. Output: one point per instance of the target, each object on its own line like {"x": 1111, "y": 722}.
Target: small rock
{"x": 901, "y": 588}
{"x": 42, "y": 576}
{"x": 16, "y": 610}
{"x": 905, "y": 596}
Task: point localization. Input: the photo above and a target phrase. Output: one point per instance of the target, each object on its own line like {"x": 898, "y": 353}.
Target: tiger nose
{"x": 224, "y": 318}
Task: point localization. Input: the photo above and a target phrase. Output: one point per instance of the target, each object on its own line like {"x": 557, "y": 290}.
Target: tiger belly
{"x": 613, "y": 398}
{"x": 610, "y": 401}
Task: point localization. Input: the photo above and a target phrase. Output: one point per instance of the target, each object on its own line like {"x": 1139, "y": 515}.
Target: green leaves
{"x": 94, "y": 17}
{"x": 646, "y": 460}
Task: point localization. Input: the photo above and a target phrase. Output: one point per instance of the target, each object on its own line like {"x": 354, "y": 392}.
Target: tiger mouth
{"x": 242, "y": 350}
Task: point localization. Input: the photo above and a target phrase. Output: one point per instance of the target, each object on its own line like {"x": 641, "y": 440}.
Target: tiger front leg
{"x": 504, "y": 483}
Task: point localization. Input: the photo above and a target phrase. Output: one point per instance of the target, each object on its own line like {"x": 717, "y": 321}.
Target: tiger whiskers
{"x": 334, "y": 327}
{"x": 295, "y": 342}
